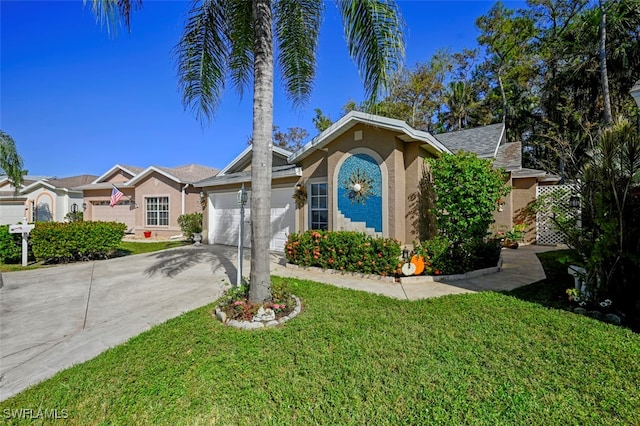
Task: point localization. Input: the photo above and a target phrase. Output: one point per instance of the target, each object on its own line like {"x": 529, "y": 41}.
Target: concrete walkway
{"x": 52, "y": 318}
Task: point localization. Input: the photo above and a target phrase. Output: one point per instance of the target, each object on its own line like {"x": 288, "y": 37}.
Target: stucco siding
{"x": 523, "y": 194}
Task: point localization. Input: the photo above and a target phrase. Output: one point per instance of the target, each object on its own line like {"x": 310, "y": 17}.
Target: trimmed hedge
{"x": 442, "y": 257}
{"x": 344, "y": 251}
{"x": 10, "y": 246}
{"x": 55, "y": 242}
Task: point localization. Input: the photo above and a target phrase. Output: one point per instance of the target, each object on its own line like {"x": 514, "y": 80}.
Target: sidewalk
{"x": 520, "y": 267}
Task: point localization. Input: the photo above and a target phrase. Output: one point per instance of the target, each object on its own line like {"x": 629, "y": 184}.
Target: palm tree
{"x": 10, "y": 161}
{"x": 460, "y": 102}
{"x": 236, "y": 39}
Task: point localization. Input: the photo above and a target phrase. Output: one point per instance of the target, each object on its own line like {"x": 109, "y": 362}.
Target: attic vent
{"x": 357, "y": 135}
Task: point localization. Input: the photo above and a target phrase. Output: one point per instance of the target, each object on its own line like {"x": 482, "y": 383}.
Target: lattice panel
{"x": 547, "y": 234}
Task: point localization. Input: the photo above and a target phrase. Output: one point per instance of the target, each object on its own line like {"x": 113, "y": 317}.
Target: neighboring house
{"x": 383, "y": 158}
{"x": 41, "y": 199}
{"x": 153, "y": 198}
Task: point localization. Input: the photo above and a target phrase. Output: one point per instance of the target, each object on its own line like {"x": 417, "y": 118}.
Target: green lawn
{"x": 357, "y": 358}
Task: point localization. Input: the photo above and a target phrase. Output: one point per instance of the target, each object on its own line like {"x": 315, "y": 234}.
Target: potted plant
{"x": 191, "y": 226}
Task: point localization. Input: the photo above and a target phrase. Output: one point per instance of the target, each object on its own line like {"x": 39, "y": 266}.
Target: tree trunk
{"x": 504, "y": 97}
{"x": 260, "y": 279}
{"x": 604, "y": 79}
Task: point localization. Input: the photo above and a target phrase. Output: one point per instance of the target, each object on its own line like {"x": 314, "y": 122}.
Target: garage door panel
{"x": 225, "y": 218}
{"x": 11, "y": 213}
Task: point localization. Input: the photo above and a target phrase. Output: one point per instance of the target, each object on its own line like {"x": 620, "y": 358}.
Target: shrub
{"x": 607, "y": 243}
{"x": 467, "y": 190}
{"x": 344, "y": 251}
{"x": 10, "y": 248}
{"x": 443, "y": 258}
{"x": 190, "y": 224}
{"x": 65, "y": 242}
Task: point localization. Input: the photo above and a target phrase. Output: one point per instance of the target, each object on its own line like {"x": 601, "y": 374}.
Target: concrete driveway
{"x": 52, "y": 318}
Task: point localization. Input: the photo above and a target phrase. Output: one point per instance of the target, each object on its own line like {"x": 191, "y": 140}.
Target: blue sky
{"x": 78, "y": 101}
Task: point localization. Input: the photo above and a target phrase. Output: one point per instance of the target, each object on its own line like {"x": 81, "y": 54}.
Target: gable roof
{"x": 130, "y": 170}
{"x": 245, "y": 156}
{"x": 484, "y": 141}
{"x": 509, "y": 156}
{"x": 184, "y": 174}
{"x": 72, "y": 181}
{"x": 405, "y": 133}
{"x": 277, "y": 172}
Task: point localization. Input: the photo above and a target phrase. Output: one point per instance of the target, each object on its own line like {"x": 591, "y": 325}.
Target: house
{"x": 490, "y": 142}
{"x": 361, "y": 173}
{"x": 41, "y": 198}
{"x": 154, "y": 197}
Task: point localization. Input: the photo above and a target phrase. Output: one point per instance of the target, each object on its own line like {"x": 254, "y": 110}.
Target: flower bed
{"x": 344, "y": 251}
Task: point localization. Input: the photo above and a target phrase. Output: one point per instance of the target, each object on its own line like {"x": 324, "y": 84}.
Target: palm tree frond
{"x": 374, "y": 33}
{"x": 110, "y": 13}
{"x": 297, "y": 26}
{"x": 202, "y": 57}
{"x": 10, "y": 161}
{"x": 240, "y": 21}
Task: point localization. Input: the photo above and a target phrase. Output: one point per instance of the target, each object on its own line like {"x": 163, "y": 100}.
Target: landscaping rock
{"x": 613, "y": 319}
{"x": 595, "y": 314}
{"x": 580, "y": 311}
{"x": 221, "y": 315}
{"x": 264, "y": 315}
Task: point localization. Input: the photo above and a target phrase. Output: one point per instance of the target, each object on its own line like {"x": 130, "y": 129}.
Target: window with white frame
{"x": 318, "y": 212}
{"x": 157, "y": 211}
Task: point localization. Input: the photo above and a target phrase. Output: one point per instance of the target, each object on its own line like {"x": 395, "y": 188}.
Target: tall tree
{"x": 602, "y": 54}
{"x": 321, "y": 121}
{"x": 11, "y": 163}
{"x": 291, "y": 140}
{"x": 236, "y": 38}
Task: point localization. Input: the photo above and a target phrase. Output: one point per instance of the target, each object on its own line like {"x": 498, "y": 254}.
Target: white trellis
{"x": 560, "y": 195}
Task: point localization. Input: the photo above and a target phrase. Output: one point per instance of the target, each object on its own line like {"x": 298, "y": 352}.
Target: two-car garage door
{"x": 224, "y": 218}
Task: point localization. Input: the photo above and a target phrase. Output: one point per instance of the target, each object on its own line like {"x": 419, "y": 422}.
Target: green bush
{"x": 442, "y": 257}
{"x": 344, "y": 251}
{"x": 10, "y": 246}
{"x": 65, "y": 242}
{"x": 190, "y": 223}
{"x": 467, "y": 190}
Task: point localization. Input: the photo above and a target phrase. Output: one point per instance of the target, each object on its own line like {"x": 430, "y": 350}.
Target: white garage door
{"x": 123, "y": 213}
{"x": 224, "y": 218}
{"x": 11, "y": 213}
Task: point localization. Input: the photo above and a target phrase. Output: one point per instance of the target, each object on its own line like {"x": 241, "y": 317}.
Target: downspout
{"x": 184, "y": 196}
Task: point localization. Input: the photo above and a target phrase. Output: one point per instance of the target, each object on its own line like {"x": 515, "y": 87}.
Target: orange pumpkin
{"x": 419, "y": 262}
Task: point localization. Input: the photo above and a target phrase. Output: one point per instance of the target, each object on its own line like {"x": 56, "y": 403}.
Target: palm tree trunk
{"x": 260, "y": 280}
{"x": 602, "y": 51}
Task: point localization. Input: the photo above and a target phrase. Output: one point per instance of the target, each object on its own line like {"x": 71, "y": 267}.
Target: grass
{"x": 358, "y": 358}
{"x": 124, "y": 249}
{"x": 132, "y": 247}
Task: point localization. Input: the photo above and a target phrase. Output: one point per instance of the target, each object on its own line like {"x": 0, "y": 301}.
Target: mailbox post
{"x": 242, "y": 200}
{"x": 24, "y": 230}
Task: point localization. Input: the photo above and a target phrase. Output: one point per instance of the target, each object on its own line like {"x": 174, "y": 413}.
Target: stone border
{"x": 407, "y": 280}
{"x": 388, "y": 278}
{"x": 252, "y": 325}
